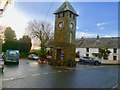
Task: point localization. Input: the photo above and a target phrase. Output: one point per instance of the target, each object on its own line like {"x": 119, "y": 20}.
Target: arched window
{"x": 70, "y": 14}
{"x": 63, "y": 14}
{"x": 58, "y": 15}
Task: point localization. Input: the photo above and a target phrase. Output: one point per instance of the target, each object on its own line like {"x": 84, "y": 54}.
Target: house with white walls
{"x": 88, "y": 46}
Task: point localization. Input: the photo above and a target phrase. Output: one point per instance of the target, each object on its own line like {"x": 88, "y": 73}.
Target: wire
{"x": 48, "y": 11}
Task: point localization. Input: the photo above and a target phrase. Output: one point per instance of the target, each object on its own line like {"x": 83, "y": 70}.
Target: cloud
{"x": 110, "y": 36}
{"x": 78, "y": 12}
{"x": 101, "y": 24}
{"x": 77, "y": 27}
{"x": 15, "y": 19}
{"x": 80, "y": 34}
{"x": 107, "y": 36}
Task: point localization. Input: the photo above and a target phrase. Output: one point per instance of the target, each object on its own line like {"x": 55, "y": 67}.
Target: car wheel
{"x": 96, "y": 63}
{"x": 5, "y": 62}
{"x": 2, "y": 68}
{"x": 82, "y": 62}
{"x": 17, "y": 63}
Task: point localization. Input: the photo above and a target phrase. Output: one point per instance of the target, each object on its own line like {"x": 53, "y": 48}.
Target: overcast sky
{"x": 95, "y": 18}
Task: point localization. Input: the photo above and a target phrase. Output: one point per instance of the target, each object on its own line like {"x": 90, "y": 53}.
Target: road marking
{"x": 59, "y": 71}
{"x": 45, "y": 73}
{"x": 10, "y": 79}
{"x": 6, "y": 79}
{"x": 54, "y": 72}
{"x": 20, "y": 77}
{"x": 116, "y": 86}
{"x": 35, "y": 74}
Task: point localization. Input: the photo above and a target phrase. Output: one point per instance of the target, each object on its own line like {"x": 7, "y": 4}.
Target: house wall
{"x": 119, "y": 54}
{"x": 83, "y": 52}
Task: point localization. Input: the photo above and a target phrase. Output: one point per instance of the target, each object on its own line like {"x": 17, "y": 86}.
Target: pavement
{"x": 110, "y": 62}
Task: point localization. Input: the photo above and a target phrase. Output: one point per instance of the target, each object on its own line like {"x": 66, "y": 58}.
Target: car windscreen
{"x": 1, "y": 57}
{"x": 13, "y": 52}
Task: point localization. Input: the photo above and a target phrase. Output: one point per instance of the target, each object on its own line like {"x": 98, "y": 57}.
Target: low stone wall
{"x": 110, "y": 62}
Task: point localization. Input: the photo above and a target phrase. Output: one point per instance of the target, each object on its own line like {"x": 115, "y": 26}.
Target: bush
{"x": 23, "y": 55}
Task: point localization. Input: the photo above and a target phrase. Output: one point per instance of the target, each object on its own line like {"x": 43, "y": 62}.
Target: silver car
{"x": 33, "y": 57}
{"x": 1, "y": 62}
{"x": 89, "y": 60}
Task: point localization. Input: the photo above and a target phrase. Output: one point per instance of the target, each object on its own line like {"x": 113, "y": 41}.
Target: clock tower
{"x": 64, "y": 35}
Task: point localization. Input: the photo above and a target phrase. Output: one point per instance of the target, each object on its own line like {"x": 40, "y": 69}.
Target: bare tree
{"x": 41, "y": 30}
{"x": 1, "y": 37}
{"x": 2, "y": 29}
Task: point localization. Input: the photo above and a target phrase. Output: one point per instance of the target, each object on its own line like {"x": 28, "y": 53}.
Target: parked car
{"x": 89, "y": 60}
{"x": 33, "y": 57}
{"x": 1, "y": 62}
{"x": 12, "y": 56}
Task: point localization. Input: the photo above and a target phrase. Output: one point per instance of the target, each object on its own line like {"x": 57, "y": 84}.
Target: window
{"x": 114, "y": 57}
{"x": 87, "y": 55}
{"x": 63, "y": 14}
{"x": 12, "y": 52}
{"x": 73, "y": 16}
{"x": 87, "y": 49}
{"x": 58, "y": 15}
{"x": 70, "y": 14}
{"x": 115, "y": 50}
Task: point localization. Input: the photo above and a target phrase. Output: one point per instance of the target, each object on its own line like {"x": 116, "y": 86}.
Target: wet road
{"x": 28, "y": 74}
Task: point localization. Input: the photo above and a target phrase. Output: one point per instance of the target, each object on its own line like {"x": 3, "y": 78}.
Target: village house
{"x": 88, "y": 46}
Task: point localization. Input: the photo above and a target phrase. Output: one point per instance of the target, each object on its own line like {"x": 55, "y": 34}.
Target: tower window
{"x": 58, "y": 15}
{"x": 70, "y": 14}
{"x": 73, "y": 16}
{"x": 63, "y": 14}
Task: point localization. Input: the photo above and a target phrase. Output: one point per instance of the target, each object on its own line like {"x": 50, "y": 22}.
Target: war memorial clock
{"x": 64, "y": 35}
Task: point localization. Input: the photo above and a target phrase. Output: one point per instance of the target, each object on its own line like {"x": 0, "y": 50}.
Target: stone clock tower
{"x": 64, "y": 35}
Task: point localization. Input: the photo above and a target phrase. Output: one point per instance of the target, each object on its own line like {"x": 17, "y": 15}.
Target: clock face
{"x": 60, "y": 25}
{"x": 71, "y": 25}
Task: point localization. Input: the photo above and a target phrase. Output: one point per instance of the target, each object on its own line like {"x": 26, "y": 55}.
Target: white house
{"x": 87, "y": 46}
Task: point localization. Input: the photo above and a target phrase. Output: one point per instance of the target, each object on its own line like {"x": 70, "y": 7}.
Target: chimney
{"x": 98, "y": 37}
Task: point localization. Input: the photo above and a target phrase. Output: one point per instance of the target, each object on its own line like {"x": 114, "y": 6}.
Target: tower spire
{"x": 66, "y": 6}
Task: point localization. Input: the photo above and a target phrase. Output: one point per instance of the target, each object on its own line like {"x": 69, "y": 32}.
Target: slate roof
{"x": 111, "y": 42}
{"x": 66, "y": 6}
{"x": 105, "y": 42}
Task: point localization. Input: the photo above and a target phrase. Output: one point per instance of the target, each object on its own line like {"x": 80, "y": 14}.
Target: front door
{"x": 58, "y": 57}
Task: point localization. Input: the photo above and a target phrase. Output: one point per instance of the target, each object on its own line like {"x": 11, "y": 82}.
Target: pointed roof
{"x": 66, "y": 6}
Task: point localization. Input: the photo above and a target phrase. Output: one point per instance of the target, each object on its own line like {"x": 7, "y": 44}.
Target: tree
{"x": 1, "y": 34}
{"x": 9, "y": 34}
{"x": 10, "y": 41}
{"x": 1, "y": 37}
{"x": 103, "y": 53}
{"x": 42, "y": 31}
{"x": 25, "y": 44}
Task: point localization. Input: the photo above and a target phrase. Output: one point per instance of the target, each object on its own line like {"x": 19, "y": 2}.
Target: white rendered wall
{"x": 83, "y": 52}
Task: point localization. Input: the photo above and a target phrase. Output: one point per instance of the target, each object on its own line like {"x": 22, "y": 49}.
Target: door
{"x": 58, "y": 57}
